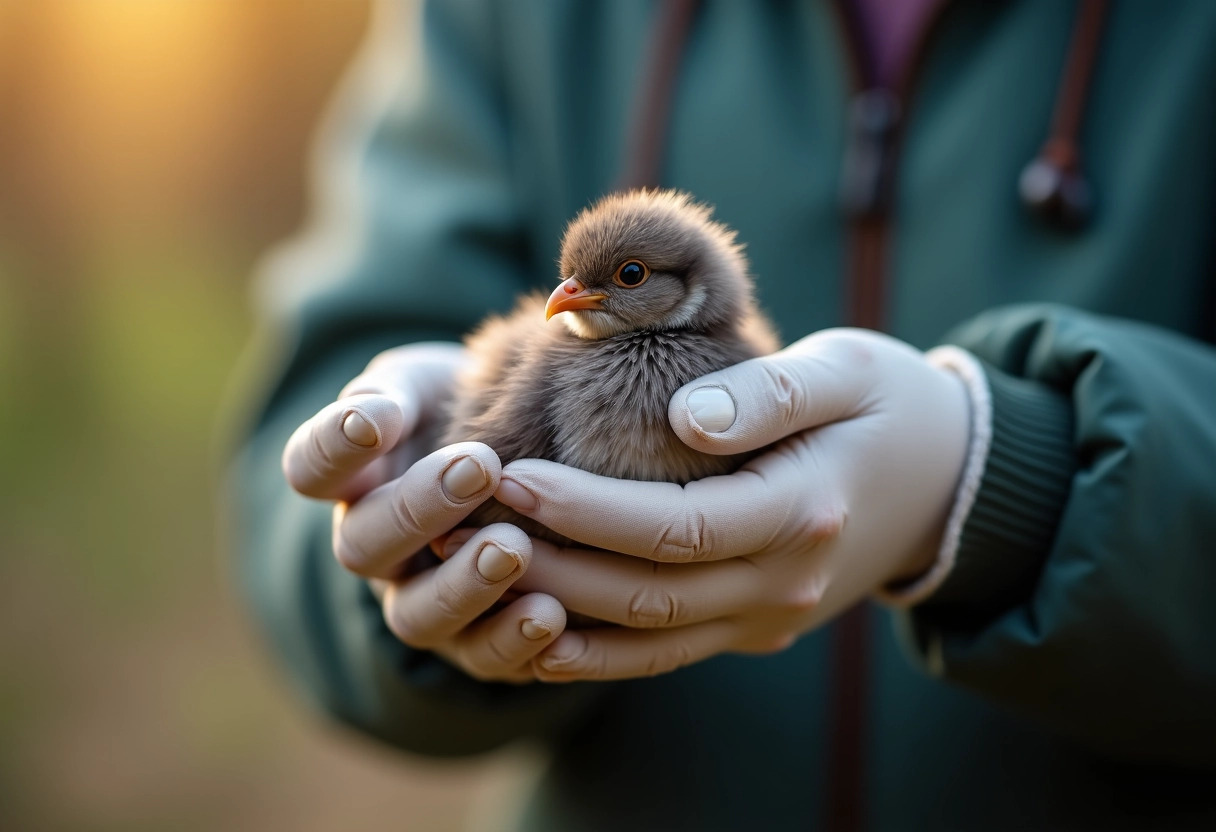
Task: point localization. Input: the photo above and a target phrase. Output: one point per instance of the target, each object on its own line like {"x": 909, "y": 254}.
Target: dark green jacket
{"x": 1065, "y": 676}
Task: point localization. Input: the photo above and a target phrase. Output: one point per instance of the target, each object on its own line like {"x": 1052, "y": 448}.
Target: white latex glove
{"x": 363, "y": 451}
{"x": 854, "y": 497}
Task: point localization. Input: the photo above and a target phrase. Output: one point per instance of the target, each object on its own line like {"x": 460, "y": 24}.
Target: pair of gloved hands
{"x": 855, "y": 497}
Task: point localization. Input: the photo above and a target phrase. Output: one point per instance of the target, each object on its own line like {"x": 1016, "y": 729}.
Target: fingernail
{"x": 534, "y": 629}
{"x": 359, "y": 430}
{"x": 711, "y": 409}
{"x": 564, "y": 652}
{"x": 494, "y": 564}
{"x": 464, "y": 478}
{"x": 511, "y": 493}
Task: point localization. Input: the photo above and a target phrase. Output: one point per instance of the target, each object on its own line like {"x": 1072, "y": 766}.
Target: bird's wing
{"x": 758, "y": 334}
{"x": 496, "y": 348}
{"x": 500, "y": 400}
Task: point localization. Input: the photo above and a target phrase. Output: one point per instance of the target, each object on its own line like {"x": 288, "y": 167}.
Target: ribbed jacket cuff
{"x": 1009, "y": 530}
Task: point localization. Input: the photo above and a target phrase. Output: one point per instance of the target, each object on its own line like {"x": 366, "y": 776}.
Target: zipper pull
{"x": 865, "y": 183}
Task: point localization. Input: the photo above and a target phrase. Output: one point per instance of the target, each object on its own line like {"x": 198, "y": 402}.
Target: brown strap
{"x": 866, "y": 305}
{"x": 1063, "y": 145}
{"x": 850, "y": 661}
{"x": 648, "y": 134}
{"x": 850, "y": 674}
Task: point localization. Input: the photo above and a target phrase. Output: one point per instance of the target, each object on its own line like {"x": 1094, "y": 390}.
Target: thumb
{"x": 820, "y": 379}
{"x": 417, "y": 377}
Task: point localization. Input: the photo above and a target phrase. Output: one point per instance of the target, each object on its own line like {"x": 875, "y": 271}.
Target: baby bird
{"x": 654, "y": 294}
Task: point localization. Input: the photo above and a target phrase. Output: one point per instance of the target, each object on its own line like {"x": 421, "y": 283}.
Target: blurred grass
{"x": 107, "y": 519}
{"x": 140, "y": 699}
{"x": 114, "y": 412}
{"x": 134, "y": 694}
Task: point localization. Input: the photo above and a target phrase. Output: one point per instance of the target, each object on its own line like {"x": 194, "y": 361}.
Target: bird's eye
{"x": 631, "y": 273}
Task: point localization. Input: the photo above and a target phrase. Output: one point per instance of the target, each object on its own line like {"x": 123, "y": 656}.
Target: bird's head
{"x": 649, "y": 260}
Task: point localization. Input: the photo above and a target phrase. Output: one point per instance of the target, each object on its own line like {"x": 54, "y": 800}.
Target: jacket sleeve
{"x": 418, "y": 236}
{"x": 1082, "y": 593}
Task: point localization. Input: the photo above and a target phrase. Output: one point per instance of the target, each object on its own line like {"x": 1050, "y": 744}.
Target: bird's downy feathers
{"x": 595, "y": 395}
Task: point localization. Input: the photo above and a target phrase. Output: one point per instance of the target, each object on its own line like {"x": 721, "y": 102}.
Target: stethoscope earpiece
{"x": 1056, "y": 194}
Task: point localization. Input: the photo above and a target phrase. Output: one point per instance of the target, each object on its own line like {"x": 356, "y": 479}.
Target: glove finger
{"x": 374, "y": 536}
{"x": 642, "y": 594}
{"x": 328, "y": 456}
{"x": 821, "y": 379}
{"x": 709, "y": 519}
{"x": 447, "y": 545}
{"x": 502, "y": 646}
{"x": 417, "y": 377}
{"x": 520, "y": 676}
{"x": 619, "y": 653}
{"x": 432, "y": 606}
{"x": 334, "y": 455}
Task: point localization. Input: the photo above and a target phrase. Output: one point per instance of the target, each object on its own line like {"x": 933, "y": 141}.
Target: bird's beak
{"x": 572, "y": 294}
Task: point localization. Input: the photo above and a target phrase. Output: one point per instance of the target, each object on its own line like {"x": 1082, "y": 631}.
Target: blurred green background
{"x": 150, "y": 152}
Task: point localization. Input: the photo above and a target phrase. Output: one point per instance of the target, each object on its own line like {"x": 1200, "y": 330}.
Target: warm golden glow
{"x": 133, "y": 112}
{"x": 150, "y": 150}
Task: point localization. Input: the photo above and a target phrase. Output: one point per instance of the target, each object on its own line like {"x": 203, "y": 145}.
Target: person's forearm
{"x": 1075, "y": 597}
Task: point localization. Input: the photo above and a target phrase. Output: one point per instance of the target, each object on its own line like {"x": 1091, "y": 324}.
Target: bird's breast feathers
{"x": 607, "y": 409}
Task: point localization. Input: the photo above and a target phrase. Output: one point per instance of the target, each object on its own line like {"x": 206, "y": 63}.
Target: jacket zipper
{"x": 876, "y": 117}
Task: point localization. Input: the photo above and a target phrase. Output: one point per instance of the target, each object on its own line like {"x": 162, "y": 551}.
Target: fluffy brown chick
{"x": 654, "y": 294}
